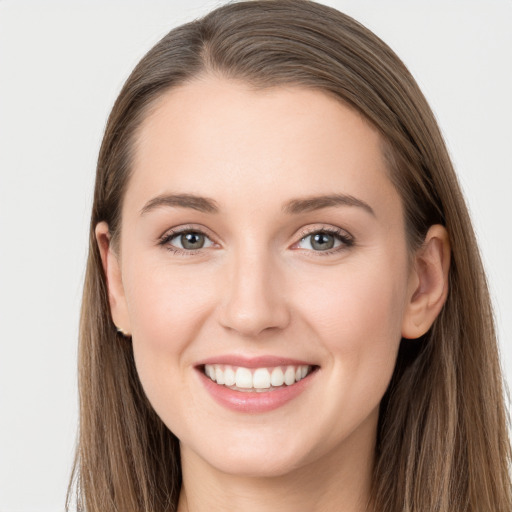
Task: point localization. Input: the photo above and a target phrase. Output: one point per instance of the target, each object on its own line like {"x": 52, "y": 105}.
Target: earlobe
{"x": 112, "y": 270}
{"x": 428, "y": 283}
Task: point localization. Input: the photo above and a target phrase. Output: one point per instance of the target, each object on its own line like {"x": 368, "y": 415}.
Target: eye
{"x": 186, "y": 241}
{"x": 325, "y": 240}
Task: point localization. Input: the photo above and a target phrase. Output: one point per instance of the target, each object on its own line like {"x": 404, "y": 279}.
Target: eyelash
{"x": 341, "y": 235}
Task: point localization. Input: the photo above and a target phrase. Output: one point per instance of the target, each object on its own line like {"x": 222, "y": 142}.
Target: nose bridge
{"x": 254, "y": 297}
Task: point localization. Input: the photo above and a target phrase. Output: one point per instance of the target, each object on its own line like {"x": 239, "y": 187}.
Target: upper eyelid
{"x": 330, "y": 229}
{"x": 206, "y": 231}
{"x": 342, "y": 235}
{"x": 172, "y": 232}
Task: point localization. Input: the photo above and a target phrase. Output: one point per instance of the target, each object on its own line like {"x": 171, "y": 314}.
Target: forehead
{"x": 221, "y": 138}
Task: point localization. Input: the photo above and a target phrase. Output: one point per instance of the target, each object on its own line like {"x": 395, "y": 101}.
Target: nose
{"x": 253, "y": 295}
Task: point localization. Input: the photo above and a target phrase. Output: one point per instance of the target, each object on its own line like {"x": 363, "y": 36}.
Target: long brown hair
{"x": 442, "y": 436}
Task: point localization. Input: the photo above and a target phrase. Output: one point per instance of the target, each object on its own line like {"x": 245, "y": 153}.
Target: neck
{"x": 337, "y": 482}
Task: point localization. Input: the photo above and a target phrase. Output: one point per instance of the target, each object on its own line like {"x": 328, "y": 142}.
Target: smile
{"x": 263, "y": 379}
{"x": 256, "y": 385}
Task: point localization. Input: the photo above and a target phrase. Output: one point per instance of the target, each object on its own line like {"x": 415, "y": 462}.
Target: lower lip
{"x": 254, "y": 401}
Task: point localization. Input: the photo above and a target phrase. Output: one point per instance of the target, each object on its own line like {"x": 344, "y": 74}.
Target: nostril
{"x": 253, "y": 320}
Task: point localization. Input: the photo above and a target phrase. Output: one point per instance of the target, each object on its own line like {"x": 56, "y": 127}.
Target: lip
{"x": 252, "y": 402}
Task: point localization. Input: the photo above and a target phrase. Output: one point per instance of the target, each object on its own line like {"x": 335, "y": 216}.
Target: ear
{"x": 112, "y": 269}
{"x": 428, "y": 283}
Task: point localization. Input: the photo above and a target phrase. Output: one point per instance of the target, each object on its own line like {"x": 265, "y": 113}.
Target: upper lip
{"x": 254, "y": 362}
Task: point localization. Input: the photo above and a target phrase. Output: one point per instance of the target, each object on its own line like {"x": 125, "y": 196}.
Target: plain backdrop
{"x": 62, "y": 65}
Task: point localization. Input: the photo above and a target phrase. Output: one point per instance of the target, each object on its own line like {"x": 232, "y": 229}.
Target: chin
{"x": 257, "y": 466}
{"x": 255, "y": 457}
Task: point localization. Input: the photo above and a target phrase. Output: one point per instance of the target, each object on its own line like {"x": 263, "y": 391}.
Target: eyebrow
{"x": 309, "y": 204}
{"x": 293, "y": 207}
{"x": 202, "y": 204}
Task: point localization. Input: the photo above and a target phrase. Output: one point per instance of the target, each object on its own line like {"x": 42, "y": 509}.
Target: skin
{"x": 259, "y": 287}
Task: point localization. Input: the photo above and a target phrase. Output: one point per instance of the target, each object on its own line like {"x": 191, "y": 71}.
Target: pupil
{"x": 192, "y": 240}
{"x": 322, "y": 241}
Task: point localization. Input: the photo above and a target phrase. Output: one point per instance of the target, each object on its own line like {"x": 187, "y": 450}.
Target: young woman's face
{"x": 262, "y": 241}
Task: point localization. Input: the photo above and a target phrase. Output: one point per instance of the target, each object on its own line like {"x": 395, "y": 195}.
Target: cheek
{"x": 166, "y": 307}
{"x": 166, "y": 304}
{"x": 357, "y": 317}
{"x": 354, "y": 301}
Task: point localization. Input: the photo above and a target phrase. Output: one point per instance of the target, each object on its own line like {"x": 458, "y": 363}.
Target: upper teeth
{"x": 256, "y": 378}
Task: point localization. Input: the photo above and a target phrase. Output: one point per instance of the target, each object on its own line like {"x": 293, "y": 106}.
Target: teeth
{"x": 243, "y": 378}
{"x": 289, "y": 375}
{"x": 219, "y": 376}
{"x": 277, "y": 377}
{"x": 261, "y": 379}
{"x": 258, "y": 378}
{"x": 229, "y": 376}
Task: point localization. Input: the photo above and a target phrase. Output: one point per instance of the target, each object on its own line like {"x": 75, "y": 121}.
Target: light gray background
{"x": 61, "y": 67}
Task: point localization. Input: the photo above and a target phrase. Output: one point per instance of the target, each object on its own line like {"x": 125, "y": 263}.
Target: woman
{"x": 284, "y": 304}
